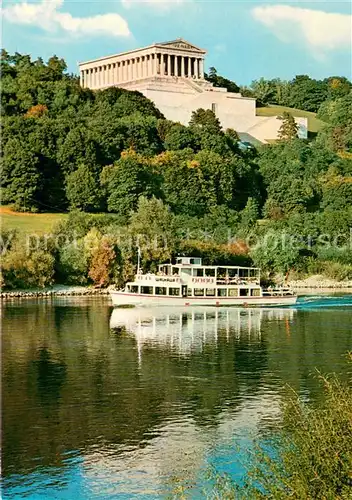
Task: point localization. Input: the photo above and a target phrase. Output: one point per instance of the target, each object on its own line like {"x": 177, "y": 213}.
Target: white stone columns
{"x": 176, "y": 65}
{"x": 162, "y": 65}
{"x": 169, "y": 65}
{"x": 189, "y": 67}
{"x": 117, "y": 73}
{"x": 182, "y": 67}
{"x": 201, "y": 69}
{"x": 150, "y": 63}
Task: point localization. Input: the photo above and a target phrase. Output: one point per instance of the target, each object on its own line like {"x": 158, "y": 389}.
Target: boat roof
{"x": 210, "y": 267}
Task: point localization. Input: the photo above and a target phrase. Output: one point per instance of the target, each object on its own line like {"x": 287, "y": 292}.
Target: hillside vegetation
{"x": 167, "y": 187}
{"x": 314, "y": 124}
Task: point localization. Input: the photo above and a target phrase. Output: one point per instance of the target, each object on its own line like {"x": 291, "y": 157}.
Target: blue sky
{"x": 244, "y": 39}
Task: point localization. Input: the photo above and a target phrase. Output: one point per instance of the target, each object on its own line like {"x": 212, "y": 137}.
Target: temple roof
{"x": 181, "y": 43}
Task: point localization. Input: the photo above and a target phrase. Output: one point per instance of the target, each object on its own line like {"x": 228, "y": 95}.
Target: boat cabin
{"x": 188, "y": 277}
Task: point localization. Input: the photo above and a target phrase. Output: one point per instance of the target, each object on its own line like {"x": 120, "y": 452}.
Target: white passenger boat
{"x": 189, "y": 283}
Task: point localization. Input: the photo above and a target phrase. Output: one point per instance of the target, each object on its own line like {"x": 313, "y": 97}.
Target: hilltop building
{"x": 171, "y": 74}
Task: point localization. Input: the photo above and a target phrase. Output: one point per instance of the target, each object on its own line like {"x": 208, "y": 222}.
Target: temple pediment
{"x": 180, "y": 43}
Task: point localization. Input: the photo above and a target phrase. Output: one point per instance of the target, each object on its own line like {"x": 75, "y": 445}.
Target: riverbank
{"x": 311, "y": 285}
{"x": 54, "y": 291}
{"x": 319, "y": 281}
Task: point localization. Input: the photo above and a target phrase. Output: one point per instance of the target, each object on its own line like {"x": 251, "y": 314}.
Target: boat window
{"x": 187, "y": 270}
{"x": 175, "y": 271}
{"x": 174, "y": 291}
{"x": 243, "y": 273}
{"x": 233, "y": 292}
{"x": 222, "y": 292}
{"x": 147, "y": 290}
{"x": 210, "y": 292}
{"x": 255, "y": 292}
{"x": 210, "y": 273}
{"x": 160, "y": 290}
{"x": 244, "y": 292}
{"x": 133, "y": 288}
{"x": 199, "y": 292}
{"x": 222, "y": 272}
{"x": 233, "y": 273}
{"x": 189, "y": 292}
{"x": 198, "y": 272}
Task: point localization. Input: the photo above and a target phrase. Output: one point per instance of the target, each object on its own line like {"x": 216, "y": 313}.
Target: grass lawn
{"x": 314, "y": 124}
{"x": 28, "y": 223}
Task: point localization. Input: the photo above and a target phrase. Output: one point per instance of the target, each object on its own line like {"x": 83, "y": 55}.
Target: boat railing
{"x": 158, "y": 278}
{"x": 278, "y": 291}
{"x": 237, "y": 281}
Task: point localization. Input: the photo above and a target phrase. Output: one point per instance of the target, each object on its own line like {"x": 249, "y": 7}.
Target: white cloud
{"x": 321, "y": 31}
{"x": 160, "y": 5}
{"x": 45, "y": 15}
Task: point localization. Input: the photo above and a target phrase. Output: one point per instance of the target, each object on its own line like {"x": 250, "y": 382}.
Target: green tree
{"x": 72, "y": 264}
{"x": 22, "y": 268}
{"x": 181, "y": 137}
{"x": 337, "y": 134}
{"x": 264, "y": 90}
{"x": 306, "y": 93}
{"x": 289, "y": 128}
{"x": 83, "y": 190}
{"x": 126, "y": 181}
{"x": 250, "y": 213}
{"x": 21, "y": 180}
{"x": 205, "y": 118}
{"x": 152, "y": 226}
{"x": 220, "y": 81}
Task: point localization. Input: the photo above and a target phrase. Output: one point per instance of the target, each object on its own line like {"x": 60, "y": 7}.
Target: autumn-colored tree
{"x": 101, "y": 264}
{"x": 289, "y": 127}
{"x": 36, "y": 111}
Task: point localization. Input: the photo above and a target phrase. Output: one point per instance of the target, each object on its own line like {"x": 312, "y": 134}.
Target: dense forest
{"x": 127, "y": 175}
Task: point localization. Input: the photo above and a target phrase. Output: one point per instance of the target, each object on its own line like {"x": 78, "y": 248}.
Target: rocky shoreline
{"x": 54, "y": 292}
{"x": 319, "y": 282}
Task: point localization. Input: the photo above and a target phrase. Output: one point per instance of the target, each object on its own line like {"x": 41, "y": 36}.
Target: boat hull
{"x": 120, "y": 299}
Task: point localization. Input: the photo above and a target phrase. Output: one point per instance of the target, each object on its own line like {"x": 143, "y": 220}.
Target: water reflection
{"x": 100, "y": 402}
{"x": 189, "y": 330}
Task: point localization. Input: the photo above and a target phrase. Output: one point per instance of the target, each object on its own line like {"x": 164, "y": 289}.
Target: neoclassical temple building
{"x": 172, "y": 75}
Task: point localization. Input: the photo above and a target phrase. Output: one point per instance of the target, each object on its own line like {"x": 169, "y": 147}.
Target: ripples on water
{"x": 124, "y": 403}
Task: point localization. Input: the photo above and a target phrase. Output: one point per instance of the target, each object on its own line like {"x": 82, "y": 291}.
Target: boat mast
{"x": 138, "y": 259}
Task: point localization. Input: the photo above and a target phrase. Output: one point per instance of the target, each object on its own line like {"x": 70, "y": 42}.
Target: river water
{"x": 140, "y": 403}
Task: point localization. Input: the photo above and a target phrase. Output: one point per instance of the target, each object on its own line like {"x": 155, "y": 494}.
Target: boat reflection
{"x": 189, "y": 329}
